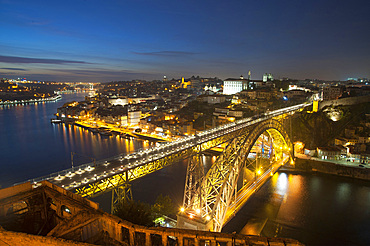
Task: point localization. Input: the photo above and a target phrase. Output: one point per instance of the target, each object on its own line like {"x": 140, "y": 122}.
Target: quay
{"x": 120, "y": 131}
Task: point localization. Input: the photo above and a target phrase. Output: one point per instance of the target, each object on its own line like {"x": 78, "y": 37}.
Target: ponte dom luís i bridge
{"x": 253, "y": 149}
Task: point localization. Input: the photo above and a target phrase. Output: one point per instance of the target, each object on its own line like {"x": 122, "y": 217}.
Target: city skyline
{"x": 101, "y": 42}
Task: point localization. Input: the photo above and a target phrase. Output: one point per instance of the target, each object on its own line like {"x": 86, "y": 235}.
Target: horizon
{"x": 173, "y": 78}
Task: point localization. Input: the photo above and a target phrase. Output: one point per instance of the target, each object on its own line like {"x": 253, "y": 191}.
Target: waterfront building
{"x": 328, "y": 153}
{"x": 133, "y": 118}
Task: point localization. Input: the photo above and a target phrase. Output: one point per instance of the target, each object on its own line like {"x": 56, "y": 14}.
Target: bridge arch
{"x": 219, "y": 186}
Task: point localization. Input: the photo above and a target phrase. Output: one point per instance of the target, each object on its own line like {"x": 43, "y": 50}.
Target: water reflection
{"x": 32, "y": 147}
{"x": 281, "y": 183}
{"x": 313, "y": 209}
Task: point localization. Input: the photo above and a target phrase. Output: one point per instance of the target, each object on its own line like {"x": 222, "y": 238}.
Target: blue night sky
{"x": 88, "y": 40}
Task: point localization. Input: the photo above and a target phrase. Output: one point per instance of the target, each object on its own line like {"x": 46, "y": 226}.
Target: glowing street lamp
{"x": 259, "y": 172}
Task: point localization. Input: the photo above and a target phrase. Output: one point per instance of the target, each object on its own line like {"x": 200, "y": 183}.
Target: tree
{"x": 135, "y": 212}
{"x": 163, "y": 206}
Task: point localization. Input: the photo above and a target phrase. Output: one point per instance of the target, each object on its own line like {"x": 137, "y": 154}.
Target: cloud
{"x": 13, "y": 68}
{"x": 102, "y": 72}
{"x": 166, "y": 53}
{"x": 16, "y": 59}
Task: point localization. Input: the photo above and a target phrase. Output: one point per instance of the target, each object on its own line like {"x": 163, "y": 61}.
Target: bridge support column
{"x": 185, "y": 222}
{"x": 194, "y": 175}
{"x": 119, "y": 194}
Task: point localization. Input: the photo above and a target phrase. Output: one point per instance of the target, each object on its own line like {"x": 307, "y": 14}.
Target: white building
{"x": 267, "y": 77}
{"x": 232, "y": 86}
{"x": 133, "y": 118}
{"x": 118, "y": 101}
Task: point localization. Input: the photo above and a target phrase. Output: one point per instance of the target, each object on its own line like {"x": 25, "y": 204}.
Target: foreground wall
{"x": 23, "y": 239}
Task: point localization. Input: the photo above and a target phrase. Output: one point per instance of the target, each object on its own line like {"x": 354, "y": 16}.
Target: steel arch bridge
{"x": 116, "y": 173}
{"x": 211, "y": 199}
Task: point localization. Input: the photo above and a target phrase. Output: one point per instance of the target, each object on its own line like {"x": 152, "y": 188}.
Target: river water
{"x": 314, "y": 209}
{"x": 30, "y": 146}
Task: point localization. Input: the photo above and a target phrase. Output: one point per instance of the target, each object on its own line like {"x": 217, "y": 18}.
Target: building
{"x": 267, "y": 77}
{"x": 235, "y": 113}
{"x": 133, "y": 118}
{"x": 118, "y": 101}
{"x": 232, "y": 86}
{"x": 211, "y": 99}
{"x": 294, "y": 93}
{"x": 328, "y": 153}
{"x": 331, "y": 92}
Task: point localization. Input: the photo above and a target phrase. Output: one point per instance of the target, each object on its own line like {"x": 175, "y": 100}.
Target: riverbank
{"x": 48, "y": 99}
{"x": 113, "y": 129}
{"x": 310, "y": 165}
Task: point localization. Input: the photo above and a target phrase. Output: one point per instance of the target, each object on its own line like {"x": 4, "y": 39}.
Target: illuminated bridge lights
{"x": 97, "y": 179}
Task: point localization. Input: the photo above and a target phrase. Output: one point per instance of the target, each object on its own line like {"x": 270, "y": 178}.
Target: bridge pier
{"x": 119, "y": 194}
{"x": 195, "y": 223}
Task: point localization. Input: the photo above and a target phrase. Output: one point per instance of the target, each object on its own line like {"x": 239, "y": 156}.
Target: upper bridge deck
{"x": 92, "y": 179}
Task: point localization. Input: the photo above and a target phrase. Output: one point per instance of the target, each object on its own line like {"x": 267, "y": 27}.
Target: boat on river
{"x": 56, "y": 121}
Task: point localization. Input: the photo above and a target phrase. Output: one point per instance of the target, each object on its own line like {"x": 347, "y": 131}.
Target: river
{"x": 314, "y": 209}
{"x": 30, "y": 146}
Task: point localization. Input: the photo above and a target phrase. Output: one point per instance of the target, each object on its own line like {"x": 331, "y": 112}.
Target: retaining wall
{"x": 344, "y": 101}
{"x": 310, "y": 165}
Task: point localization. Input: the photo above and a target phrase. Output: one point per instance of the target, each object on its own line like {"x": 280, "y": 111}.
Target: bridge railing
{"x": 77, "y": 168}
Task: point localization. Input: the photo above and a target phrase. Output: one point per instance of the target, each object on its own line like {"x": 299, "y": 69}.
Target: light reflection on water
{"x": 30, "y": 146}
{"x": 314, "y": 209}
{"x": 281, "y": 183}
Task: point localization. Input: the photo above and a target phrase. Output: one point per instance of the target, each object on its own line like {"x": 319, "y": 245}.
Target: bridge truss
{"x": 115, "y": 174}
{"x": 119, "y": 184}
{"x": 209, "y": 197}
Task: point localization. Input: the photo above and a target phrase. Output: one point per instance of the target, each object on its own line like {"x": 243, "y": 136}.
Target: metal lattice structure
{"x": 211, "y": 198}
{"x": 112, "y": 182}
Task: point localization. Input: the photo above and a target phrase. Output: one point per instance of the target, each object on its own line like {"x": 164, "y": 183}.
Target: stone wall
{"x": 332, "y": 168}
{"x": 88, "y": 224}
{"x": 344, "y": 101}
{"x": 23, "y": 239}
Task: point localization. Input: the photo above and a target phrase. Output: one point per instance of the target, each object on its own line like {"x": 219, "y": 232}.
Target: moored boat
{"x": 56, "y": 121}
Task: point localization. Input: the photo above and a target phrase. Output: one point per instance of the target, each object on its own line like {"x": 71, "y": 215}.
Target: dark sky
{"x": 105, "y": 40}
